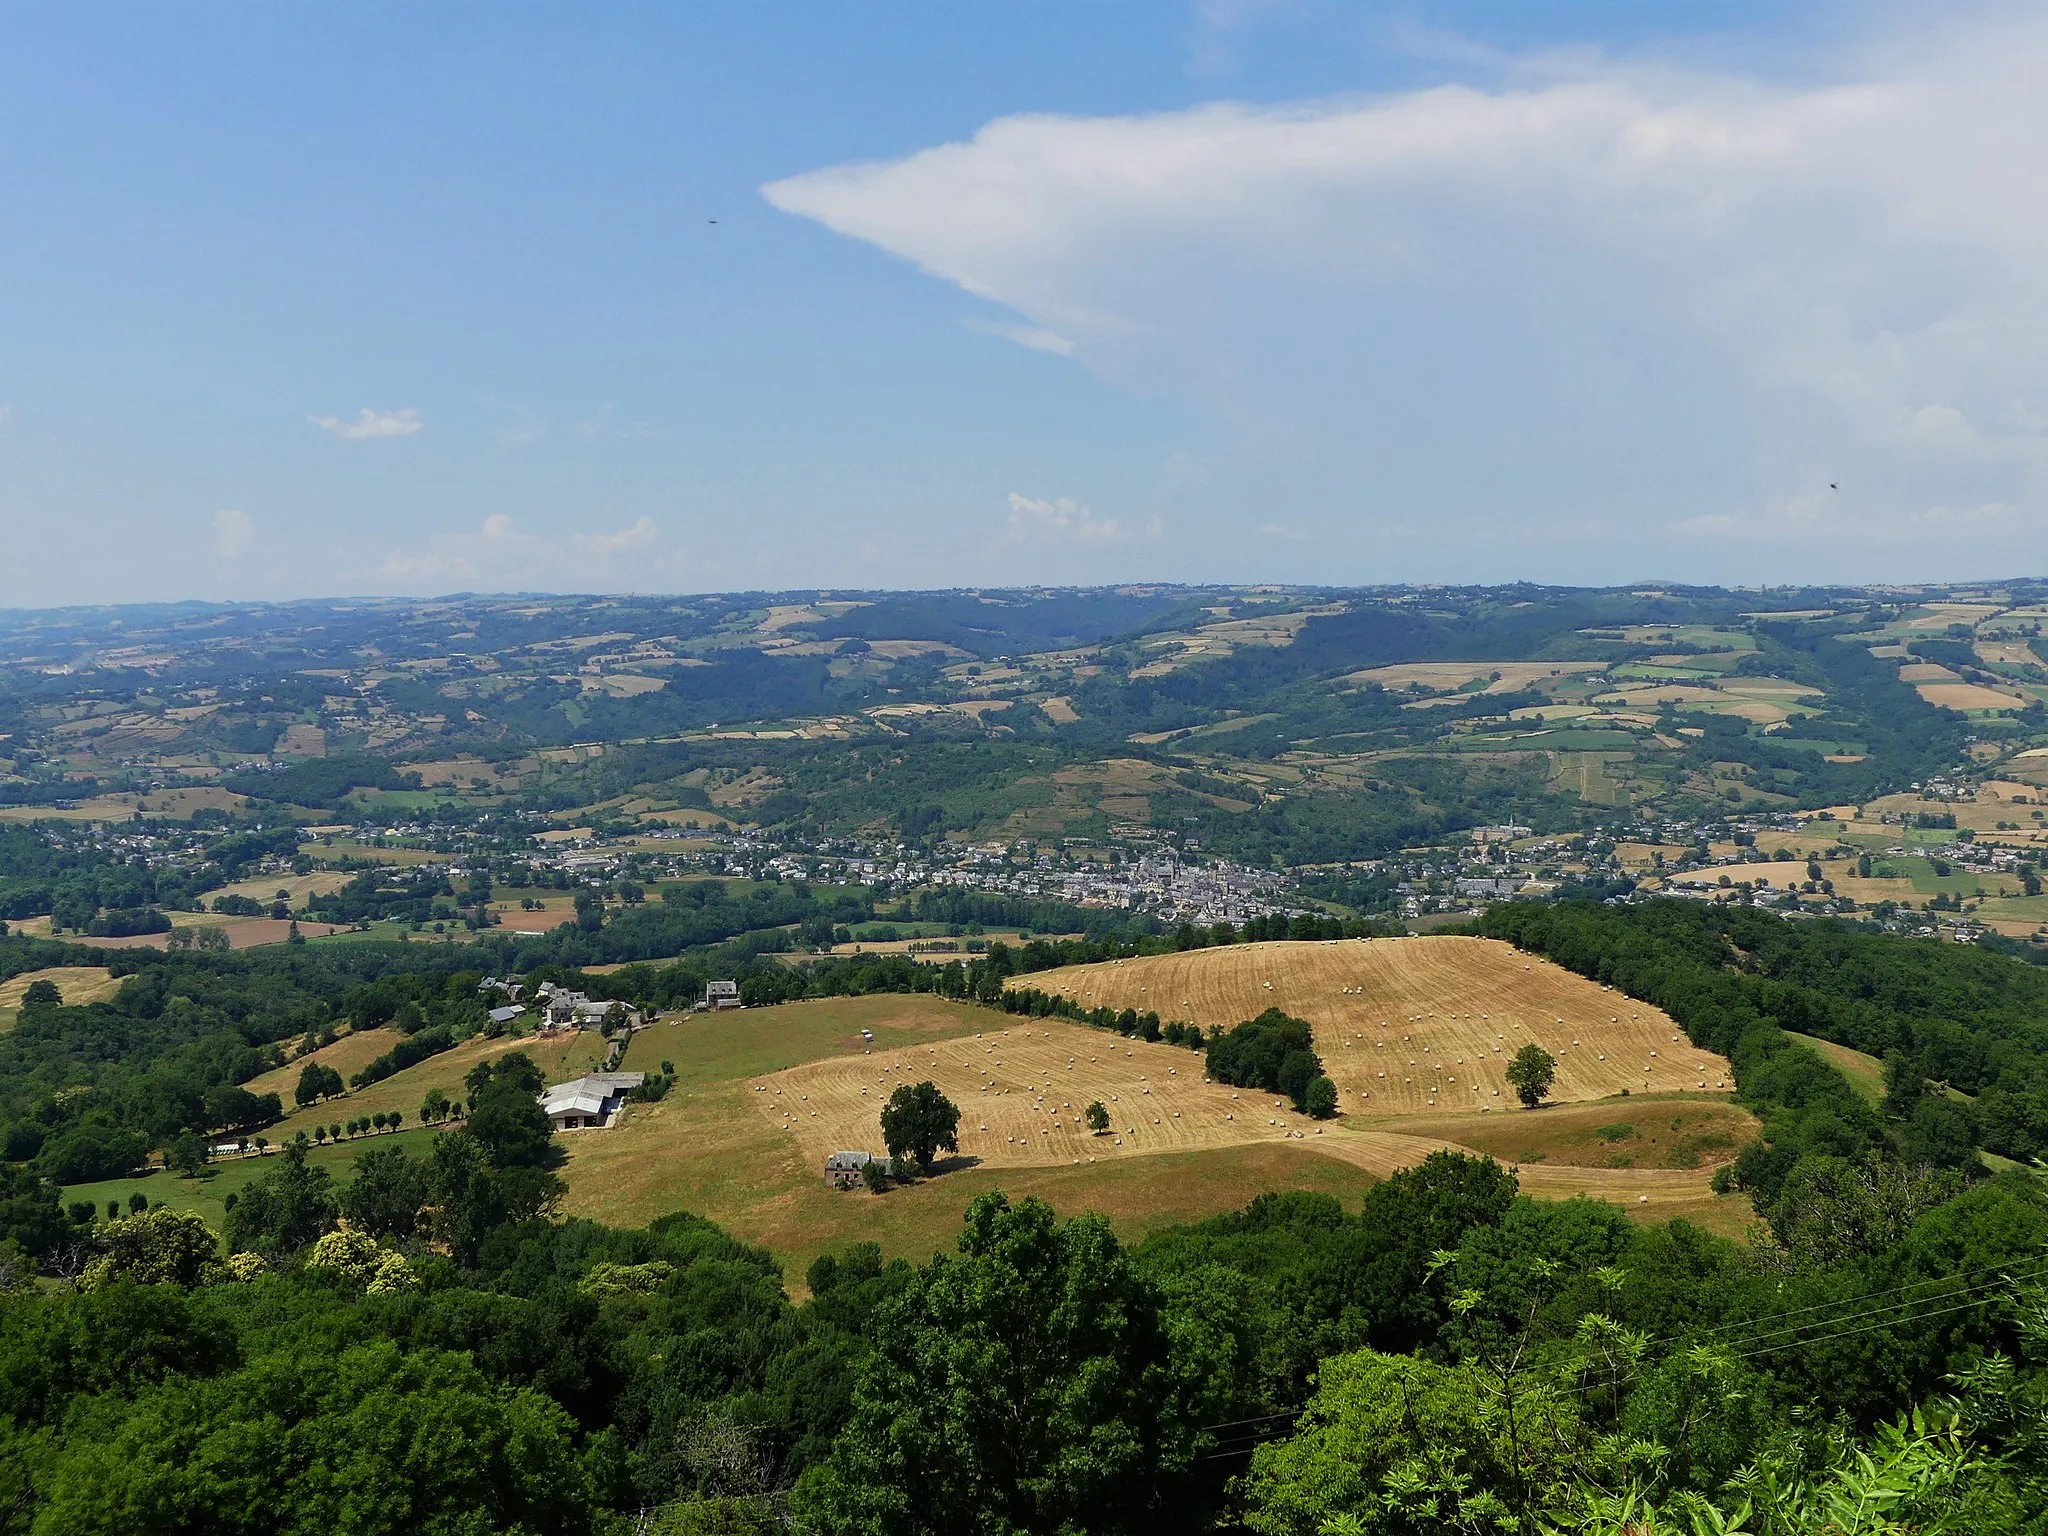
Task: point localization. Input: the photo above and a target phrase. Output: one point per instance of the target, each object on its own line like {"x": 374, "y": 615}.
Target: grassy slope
{"x": 706, "y": 1148}
{"x": 559, "y": 1057}
{"x": 77, "y": 983}
{"x": 1641, "y": 1132}
{"x": 232, "y": 1175}
{"x": 1864, "y": 1072}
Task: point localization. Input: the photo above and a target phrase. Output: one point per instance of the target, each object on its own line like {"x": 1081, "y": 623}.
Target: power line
{"x": 1901, "y": 1308}
{"x": 1823, "y": 1306}
{"x": 1828, "y": 1338}
{"x": 1248, "y": 1438}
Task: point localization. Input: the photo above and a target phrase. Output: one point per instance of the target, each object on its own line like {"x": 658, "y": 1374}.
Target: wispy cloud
{"x": 1036, "y": 337}
{"x": 1058, "y": 521}
{"x": 498, "y": 555}
{"x": 233, "y": 532}
{"x": 371, "y": 424}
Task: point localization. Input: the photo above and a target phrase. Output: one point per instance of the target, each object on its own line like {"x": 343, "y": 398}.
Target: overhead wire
{"x": 1249, "y": 1438}
{"x": 1822, "y": 1306}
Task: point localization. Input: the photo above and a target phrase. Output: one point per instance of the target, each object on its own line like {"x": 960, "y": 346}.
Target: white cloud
{"x": 499, "y": 556}
{"x": 369, "y": 424}
{"x": 1597, "y": 307}
{"x": 1058, "y": 521}
{"x": 1036, "y": 337}
{"x": 233, "y": 532}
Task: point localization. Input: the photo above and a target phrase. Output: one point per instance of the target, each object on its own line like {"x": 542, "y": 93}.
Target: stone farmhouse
{"x": 843, "y": 1169}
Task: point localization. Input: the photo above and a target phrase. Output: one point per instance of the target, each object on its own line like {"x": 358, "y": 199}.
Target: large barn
{"x": 590, "y": 1102}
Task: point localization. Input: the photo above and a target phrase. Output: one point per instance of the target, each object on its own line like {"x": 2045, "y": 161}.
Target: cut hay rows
{"x": 1411, "y": 1025}
{"x": 1022, "y": 1092}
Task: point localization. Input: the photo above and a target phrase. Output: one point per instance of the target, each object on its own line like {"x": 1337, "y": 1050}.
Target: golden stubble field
{"x": 1022, "y": 1091}
{"x": 76, "y": 984}
{"x": 1406, "y": 1026}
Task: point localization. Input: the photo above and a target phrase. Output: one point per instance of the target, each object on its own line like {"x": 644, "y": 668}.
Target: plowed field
{"x": 1411, "y": 1025}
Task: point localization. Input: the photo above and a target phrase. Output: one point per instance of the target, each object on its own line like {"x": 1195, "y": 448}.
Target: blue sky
{"x": 417, "y": 298}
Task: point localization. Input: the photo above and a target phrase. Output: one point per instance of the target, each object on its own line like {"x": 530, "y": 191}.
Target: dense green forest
{"x": 1449, "y": 1356}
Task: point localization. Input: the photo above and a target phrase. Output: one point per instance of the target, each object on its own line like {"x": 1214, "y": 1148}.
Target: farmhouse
{"x": 505, "y": 1015}
{"x": 721, "y": 994}
{"x": 843, "y": 1169}
{"x": 590, "y": 1102}
{"x": 515, "y": 991}
{"x": 564, "y": 1009}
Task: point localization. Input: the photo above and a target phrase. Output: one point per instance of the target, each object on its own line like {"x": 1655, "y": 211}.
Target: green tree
{"x": 472, "y": 1199}
{"x": 1097, "y": 1117}
{"x": 1532, "y": 1074}
{"x": 433, "y": 1107}
{"x": 315, "y": 1083}
{"x": 188, "y": 1154}
{"x": 389, "y": 1194}
{"x": 505, "y": 1118}
{"x": 1319, "y": 1098}
{"x": 285, "y": 1210}
{"x": 42, "y": 993}
{"x": 1025, "y": 1385}
{"x": 1395, "y": 1443}
{"x": 919, "y": 1121}
{"x": 369, "y": 1438}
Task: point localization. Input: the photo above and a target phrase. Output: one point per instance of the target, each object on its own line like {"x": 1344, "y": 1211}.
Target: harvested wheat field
{"x": 1411, "y": 1025}
{"x": 1023, "y": 1089}
{"x": 76, "y": 984}
{"x": 347, "y": 1055}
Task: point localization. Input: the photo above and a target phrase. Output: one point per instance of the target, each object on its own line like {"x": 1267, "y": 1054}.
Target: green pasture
{"x": 208, "y": 1194}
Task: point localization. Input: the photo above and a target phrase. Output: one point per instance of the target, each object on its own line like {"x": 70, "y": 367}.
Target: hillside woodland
{"x": 435, "y": 1348}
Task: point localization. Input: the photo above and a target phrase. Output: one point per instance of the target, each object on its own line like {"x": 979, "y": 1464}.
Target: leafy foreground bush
{"x": 434, "y": 1351}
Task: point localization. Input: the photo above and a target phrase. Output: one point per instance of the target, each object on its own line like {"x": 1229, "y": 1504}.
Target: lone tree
{"x": 42, "y": 993}
{"x": 1319, "y": 1098}
{"x": 1532, "y": 1073}
{"x": 1097, "y": 1117}
{"x": 919, "y": 1120}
